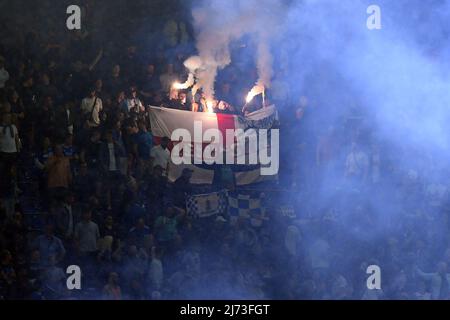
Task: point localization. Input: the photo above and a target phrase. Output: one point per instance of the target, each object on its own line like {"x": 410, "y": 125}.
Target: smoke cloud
{"x": 217, "y": 23}
{"x": 394, "y": 81}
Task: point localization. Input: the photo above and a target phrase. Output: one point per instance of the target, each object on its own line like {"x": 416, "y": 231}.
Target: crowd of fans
{"x": 84, "y": 183}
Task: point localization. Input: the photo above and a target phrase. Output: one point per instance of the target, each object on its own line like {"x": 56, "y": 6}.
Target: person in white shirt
{"x": 87, "y": 234}
{"x": 133, "y": 103}
{"x": 156, "y": 271}
{"x": 356, "y": 164}
{"x": 4, "y": 75}
{"x": 91, "y": 106}
{"x": 160, "y": 155}
{"x": 9, "y": 136}
{"x": 9, "y": 148}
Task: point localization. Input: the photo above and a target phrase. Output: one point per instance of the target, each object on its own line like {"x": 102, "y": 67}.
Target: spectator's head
{"x": 92, "y": 92}
{"x": 35, "y": 256}
{"x": 131, "y": 50}
{"x": 148, "y": 242}
{"x": 46, "y": 143}
{"x": 93, "y": 202}
{"x": 13, "y": 96}
{"x": 99, "y": 84}
{"x": 87, "y": 214}
{"x": 48, "y": 102}
{"x": 150, "y": 69}
{"x": 182, "y": 96}
{"x": 59, "y": 151}
{"x": 156, "y": 295}
{"x": 45, "y": 79}
{"x": 116, "y": 70}
{"x": 132, "y": 251}
{"x": 140, "y": 223}
{"x": 113, "y": 279}
{"x": 109, "y": 136}
{"x": 339, "y": 287}
{"x": 52, "y": 64}
{"x": 7, "y": 119}
{"x": 222, "y": 105}
{"x": 109, "y": 221}
{"x": 121, "y": 116}
{"x": 165, "y": 142}
{"x": 120, "y": 96}
{"x": 133, "y": 92}
{"x": 169, "y": 68}
{"x": 225, "y": 88}
{"x": 68, "y": 105}
{"x": 6, "y": 257}
{"x": 303, "y": 102}
{"x": 28, "y": 81}
{"x": 49, "y": 228}
{"x": 170, "y": 212}
{"x": 78, "y": 66}
{"x": 157, "y": 98}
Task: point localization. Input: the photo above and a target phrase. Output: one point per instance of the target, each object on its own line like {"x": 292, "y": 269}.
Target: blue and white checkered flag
{"x": 206, "y": 205}
{"x": 246, "y": 206}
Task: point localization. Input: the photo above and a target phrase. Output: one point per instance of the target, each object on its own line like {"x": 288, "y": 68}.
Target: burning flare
{"x": 210, "y": 105}
{"x": 256, "y": 90}
{"x": 189, "y": 83}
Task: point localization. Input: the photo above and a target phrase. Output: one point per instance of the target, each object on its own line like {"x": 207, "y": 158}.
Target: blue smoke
{"x": 395, "y": 82}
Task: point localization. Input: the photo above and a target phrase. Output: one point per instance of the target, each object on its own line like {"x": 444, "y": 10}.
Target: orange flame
{"x": 256, "y": 90}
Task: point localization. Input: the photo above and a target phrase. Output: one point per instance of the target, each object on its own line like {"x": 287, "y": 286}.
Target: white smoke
{"x": 218, "y": 22}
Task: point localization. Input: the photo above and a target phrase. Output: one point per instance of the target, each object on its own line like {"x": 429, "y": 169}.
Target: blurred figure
{"x": 143, "y": 144}
{"x": 4, "y": 75}
{"x": 91, "y": 106}
{"x": 168, "y": 78}
{"x": 149, "y": 84}
{"x": 59, "y": 173}
{"x": 182, "y": 187}
{"x": 357, "y": 164}
{"x": 49, "y": 245}
{"x": 133, "y": 103}
{"x": 112, "y": 291}
{"x": 86, "y": 235}
{"x": 439, "y": 281}
{"x": 10, "y": 147}
{"x": 160, "y": 155}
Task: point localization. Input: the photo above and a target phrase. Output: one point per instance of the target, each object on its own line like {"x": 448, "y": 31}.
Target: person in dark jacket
{"x": 182, "y": 187}
{"x": 110, "y": 156}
